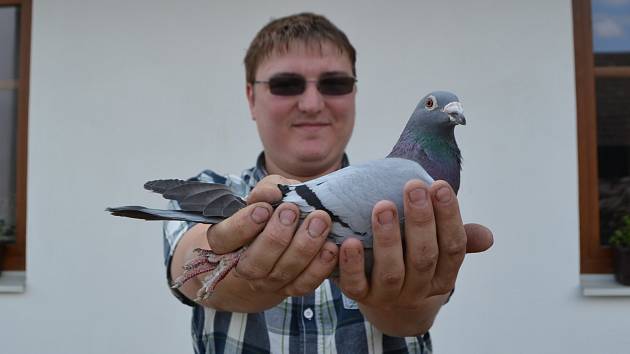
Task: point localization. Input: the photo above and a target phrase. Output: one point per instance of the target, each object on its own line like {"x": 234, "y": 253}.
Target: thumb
{"x": 267, "y": 189}
{"x": 479, "y": 238}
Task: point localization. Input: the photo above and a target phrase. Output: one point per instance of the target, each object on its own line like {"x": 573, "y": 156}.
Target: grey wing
{"x": 199, "y": 202}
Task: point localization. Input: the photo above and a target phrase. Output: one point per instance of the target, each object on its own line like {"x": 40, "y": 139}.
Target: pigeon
{"x": 426, "y": 150}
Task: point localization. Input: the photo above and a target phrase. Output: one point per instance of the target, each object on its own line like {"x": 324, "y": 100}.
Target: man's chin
{"x": 316, "y": 164}
{"x": 312, "y": 156}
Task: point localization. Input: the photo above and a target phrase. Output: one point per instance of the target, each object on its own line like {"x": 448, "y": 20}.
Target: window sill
{"x": 602, "y": 285}
{"x": 12, "y": 282}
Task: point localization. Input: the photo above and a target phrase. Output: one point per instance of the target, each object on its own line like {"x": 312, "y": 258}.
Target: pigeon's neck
{"x": 437, "y": 152}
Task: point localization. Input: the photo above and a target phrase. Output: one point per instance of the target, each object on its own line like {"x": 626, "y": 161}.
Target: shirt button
{"x": 308, "y": 313}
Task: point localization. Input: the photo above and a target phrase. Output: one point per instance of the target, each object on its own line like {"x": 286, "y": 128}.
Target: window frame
{"x": 594, "y": 257}
{"x": 15, "y": 254}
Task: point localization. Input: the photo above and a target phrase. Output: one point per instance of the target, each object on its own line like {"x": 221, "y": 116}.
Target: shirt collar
{"x": 260, "y": 171}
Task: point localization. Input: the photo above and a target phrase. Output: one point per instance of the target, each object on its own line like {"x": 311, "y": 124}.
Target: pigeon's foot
{"x": 206, "y": 261}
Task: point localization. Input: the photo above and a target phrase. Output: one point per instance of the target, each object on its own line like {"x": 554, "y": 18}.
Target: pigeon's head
{"x": 439, "y": 111}
{"x": 429, "y": 137}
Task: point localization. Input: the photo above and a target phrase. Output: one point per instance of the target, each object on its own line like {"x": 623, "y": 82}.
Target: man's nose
{"x": 311, "y": 100}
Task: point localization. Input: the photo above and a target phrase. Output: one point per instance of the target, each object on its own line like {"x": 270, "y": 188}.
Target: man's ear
{"x": 249, "y": 92}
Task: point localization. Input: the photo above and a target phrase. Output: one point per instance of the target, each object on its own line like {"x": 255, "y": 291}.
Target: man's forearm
{"x": 404, "y": 322}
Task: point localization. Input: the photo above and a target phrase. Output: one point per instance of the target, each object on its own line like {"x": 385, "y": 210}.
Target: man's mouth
{"x": 311, "y": 123}
{"x": 311, "y": 126}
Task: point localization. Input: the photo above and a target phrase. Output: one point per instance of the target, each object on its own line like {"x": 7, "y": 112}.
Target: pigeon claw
{"x": 205, "y": 261}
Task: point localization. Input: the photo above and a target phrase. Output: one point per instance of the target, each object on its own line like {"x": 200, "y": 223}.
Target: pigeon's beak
{"x": 455, "y": 112}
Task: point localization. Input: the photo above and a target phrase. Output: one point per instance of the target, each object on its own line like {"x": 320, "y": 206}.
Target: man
{"x": 300, "y": 73}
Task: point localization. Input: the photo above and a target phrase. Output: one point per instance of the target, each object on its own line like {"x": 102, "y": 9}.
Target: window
{"x": 15, "y": 23}
{"x": 602, "y": 64}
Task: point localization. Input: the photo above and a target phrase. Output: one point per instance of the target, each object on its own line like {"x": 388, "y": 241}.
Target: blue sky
{"x": 611, "y": 25}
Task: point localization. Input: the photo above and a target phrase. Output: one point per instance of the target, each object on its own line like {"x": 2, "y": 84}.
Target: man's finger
{"x": 352, "y": 278}
{"x": 263, "y": 253}
{"x": 304, "y": 246}
{"x": 317, "y": 271}
{"x": 421, "y": 252}
{"x": 267, "y": 189}
{"x": 479, "y": 238}
{"x": 451, "y": 237}
{"x": 388, "y": 274}
{"x": 239, "y": 229}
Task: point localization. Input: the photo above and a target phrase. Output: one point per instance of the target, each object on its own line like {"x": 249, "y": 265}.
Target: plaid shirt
{"x": 325, "y": 321}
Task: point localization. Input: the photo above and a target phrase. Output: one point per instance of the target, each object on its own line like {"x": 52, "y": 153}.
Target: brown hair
{"x": 279, "y": 34}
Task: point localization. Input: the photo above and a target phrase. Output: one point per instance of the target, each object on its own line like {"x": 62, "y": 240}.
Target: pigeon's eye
{"x": 430, "y": 103}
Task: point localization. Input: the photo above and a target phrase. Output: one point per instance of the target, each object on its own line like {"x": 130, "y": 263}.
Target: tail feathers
{"x": 140, "y": 212}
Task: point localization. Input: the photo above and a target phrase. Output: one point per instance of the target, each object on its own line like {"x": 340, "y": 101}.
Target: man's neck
{"x": 304, "y": 174}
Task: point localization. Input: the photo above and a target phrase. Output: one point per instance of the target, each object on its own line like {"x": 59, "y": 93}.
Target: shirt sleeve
{"x": 173, "y": 232}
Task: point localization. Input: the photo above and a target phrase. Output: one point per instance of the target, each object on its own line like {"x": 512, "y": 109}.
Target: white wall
{"x": 125, "y": 91}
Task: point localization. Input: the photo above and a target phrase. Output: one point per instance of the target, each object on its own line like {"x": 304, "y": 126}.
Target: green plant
{"x": 6, "y": 230}
{"x": 621, "y": 235}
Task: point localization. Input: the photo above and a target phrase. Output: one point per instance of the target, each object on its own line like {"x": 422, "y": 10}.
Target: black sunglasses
{"x": 294, "y": 84}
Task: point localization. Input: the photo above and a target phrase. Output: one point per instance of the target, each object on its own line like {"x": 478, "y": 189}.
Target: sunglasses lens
{"x": 292, "y": 85}
{"x": 336, "y": 86}
{"x": 287, "y": 86}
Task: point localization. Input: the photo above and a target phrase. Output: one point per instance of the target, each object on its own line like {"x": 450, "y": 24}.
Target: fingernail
{"x": 386, "y": 217}
{"x": 327, "y": 256}
{"x": 443, "y": 195}
{"x": 352, "y": 254}
{"x": 260, "y": 215}
{"x": 316, "y": 227}
{"x": 418, "y": 197}
{"x": 287, "y": 217}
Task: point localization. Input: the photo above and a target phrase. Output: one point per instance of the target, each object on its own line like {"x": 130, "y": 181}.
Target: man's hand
{"x": 281, "y": 260}
{"x": 286, "y": 259}
{"x": 408, "y": 287}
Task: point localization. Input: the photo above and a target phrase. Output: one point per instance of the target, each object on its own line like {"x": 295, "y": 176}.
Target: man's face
{"x": 303, "y": 135}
